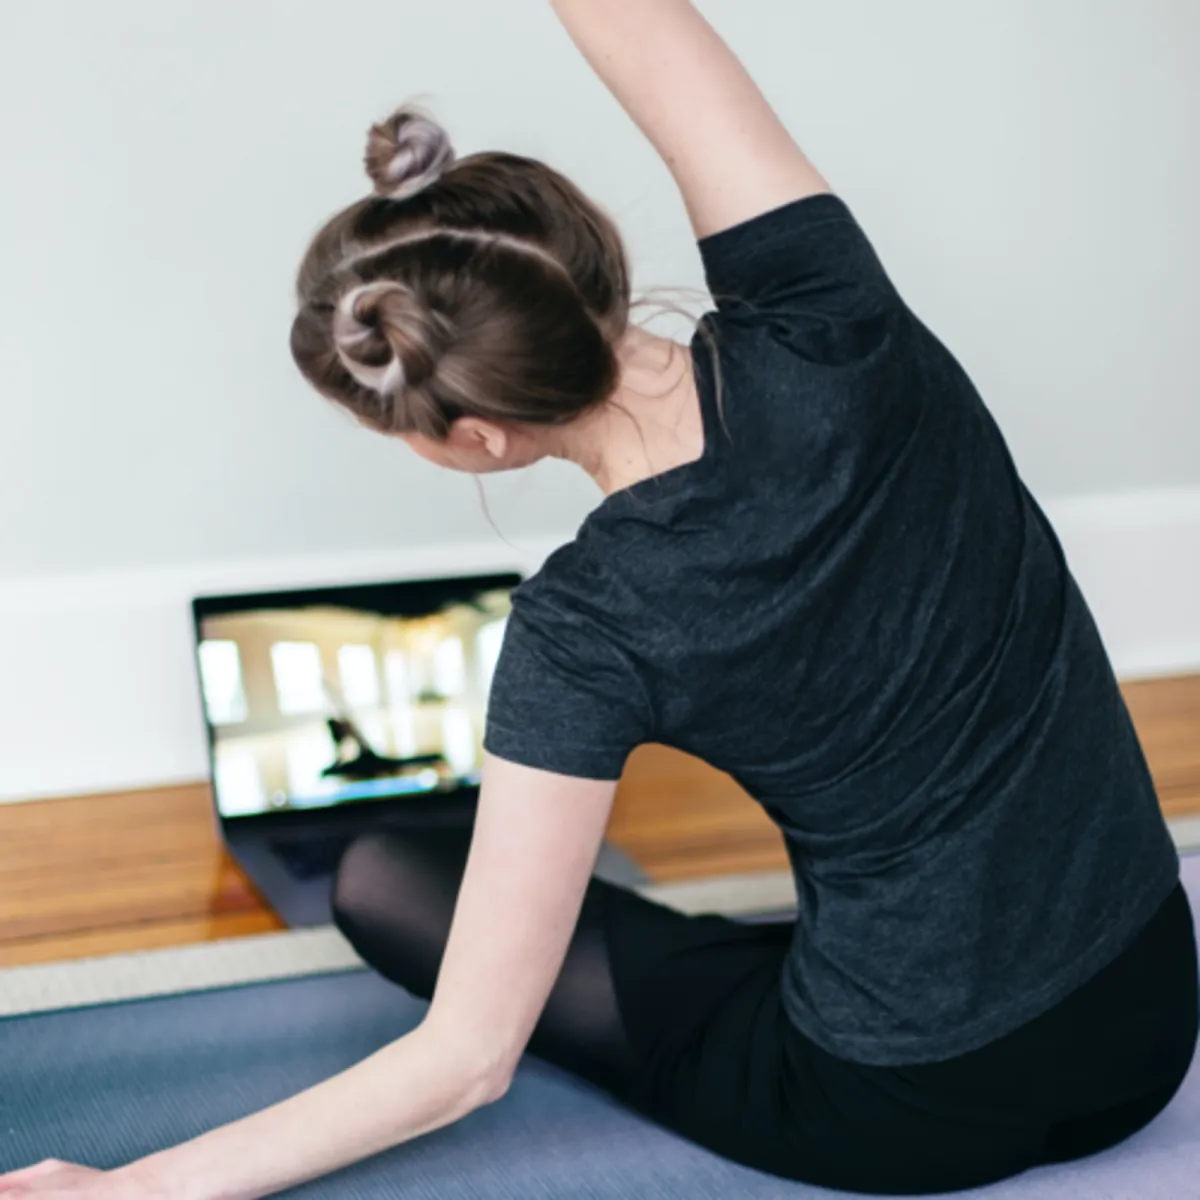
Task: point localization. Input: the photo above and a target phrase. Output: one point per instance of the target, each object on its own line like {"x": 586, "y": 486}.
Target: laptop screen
{"x": 333, "y": 696}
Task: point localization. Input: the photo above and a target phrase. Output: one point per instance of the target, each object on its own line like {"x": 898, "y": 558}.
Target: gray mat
{"x": 107, "y": 1084}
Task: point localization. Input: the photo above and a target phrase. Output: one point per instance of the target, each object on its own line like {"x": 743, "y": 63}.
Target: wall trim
{"x": 1137, "y": 558}
{"x": 97, "y": 689}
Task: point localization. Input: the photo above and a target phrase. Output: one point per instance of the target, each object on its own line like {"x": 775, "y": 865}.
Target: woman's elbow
{"x": 494, "y": 1086}
{"x": 482, "y": 1069}
{"x": 481, "y": 1084}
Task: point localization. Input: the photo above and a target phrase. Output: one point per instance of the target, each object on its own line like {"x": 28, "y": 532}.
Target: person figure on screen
{"x": 357, "y": 759}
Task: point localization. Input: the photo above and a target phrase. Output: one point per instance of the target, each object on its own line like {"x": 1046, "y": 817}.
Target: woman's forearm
{"x": 404, "y": 1090}
{"x": 729, "y": 152}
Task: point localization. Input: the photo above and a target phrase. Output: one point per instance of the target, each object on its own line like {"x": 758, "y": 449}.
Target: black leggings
{"x": 680, "y": 1018}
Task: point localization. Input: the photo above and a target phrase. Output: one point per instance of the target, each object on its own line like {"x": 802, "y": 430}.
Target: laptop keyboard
{"x": 312, "y": 859}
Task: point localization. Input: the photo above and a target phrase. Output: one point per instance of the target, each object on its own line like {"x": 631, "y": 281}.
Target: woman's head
{"x": 467, "y": 304}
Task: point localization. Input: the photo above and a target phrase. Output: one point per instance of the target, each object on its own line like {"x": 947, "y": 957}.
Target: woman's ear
{"x": 473, "y": 438}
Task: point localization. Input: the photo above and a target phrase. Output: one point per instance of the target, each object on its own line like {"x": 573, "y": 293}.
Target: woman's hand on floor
{"x": 53, "y": 1178}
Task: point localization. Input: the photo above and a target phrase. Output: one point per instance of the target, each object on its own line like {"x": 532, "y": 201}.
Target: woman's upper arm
{"x": 537, "y": 836}
{"x": 730, "y": 154}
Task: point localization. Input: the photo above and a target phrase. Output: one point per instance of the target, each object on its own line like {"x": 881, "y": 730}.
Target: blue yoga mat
{"x": 108, "y": 1084}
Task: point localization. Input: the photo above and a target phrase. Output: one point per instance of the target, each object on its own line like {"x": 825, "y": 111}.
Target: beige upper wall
{"x": 1026, "y": 167}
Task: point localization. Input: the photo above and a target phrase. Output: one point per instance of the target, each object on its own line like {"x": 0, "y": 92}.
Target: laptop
{"x": 335, "y": 711}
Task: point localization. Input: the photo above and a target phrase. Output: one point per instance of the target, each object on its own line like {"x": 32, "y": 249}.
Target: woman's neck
{"x": 652, "y": 422}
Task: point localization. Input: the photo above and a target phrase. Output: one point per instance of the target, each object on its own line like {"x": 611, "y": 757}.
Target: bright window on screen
{"x": 395, "y": 670}
{"x": 404, "y": 731}
{"x": 488, "y": 641}
{"x": 306, "y": 755}
{"x": 458, "y": 739}
{"x": 449, "y": 667}
{"x": 239, "y": 781}
{"x": 221, "y": 682}
{"x": 298, "y": 681}
{"x": 359, "y": 675}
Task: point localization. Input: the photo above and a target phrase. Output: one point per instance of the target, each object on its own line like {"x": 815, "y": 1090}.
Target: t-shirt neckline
{"x": 653, "y": 486}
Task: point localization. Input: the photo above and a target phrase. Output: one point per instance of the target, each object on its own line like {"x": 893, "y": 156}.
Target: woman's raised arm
{"x": 688, "y": 93}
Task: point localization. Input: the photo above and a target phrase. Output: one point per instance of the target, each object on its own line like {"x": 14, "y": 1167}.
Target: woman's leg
{"x": 677, "y": 1016}
{"x": 681, "y": 1018}
{"x": 1141, "y": 1018}
{"x": 394, "y": 899}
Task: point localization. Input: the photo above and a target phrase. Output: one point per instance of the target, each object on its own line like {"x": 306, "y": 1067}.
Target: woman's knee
{"x": 361, "y": 874}
{"x": 393, "y": 901}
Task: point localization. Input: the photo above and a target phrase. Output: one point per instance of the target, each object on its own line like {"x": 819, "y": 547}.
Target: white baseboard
{"x": 97, "y": 685}
{"x": 1137, "y": 558}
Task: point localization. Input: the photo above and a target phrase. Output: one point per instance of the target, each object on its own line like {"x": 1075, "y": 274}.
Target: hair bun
{"x": 406, "y": 153}
{"x": 386, "y": 338}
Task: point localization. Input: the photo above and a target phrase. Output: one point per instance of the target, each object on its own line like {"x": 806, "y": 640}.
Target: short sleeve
{"x": 563, "y": 698}
{"x": 808, "y": 261}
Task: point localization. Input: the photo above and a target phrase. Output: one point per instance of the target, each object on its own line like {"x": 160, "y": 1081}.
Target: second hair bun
{"x": 406, "y": 153}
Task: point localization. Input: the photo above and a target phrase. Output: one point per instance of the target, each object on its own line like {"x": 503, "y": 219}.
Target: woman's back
{"x": 853, "y": 605}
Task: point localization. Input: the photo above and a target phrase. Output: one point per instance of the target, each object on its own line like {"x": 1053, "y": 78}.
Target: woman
{"x": 816, "y": 568}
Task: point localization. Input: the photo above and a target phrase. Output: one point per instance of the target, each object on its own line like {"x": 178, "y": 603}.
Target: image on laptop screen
{"x": 324, "y": 697}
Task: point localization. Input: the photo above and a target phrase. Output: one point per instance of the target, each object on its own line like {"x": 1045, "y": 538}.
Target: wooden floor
{"x": 100, "y": 875}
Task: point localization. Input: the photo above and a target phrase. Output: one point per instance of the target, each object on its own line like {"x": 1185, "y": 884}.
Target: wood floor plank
{"x": 98, "y": 874}
{"x": 92, "y": 875}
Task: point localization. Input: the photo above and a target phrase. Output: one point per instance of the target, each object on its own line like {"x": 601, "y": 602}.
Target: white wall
{"x": 1026, "y": 167}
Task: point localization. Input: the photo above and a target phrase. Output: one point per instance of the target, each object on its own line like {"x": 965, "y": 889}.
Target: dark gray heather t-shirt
{"x": 852, "y": 604}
